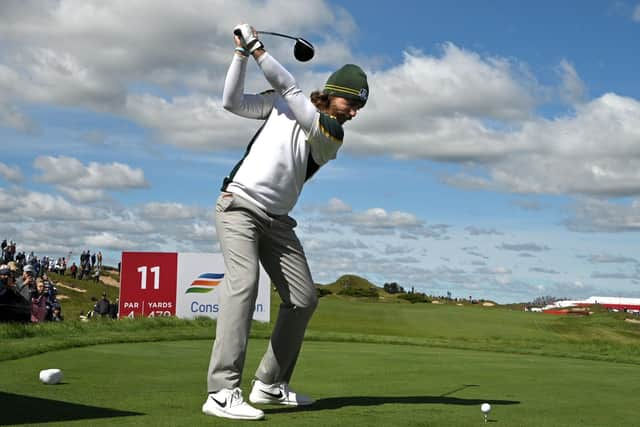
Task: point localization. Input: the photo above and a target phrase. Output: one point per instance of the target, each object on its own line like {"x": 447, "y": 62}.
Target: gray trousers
{"x": 247, "y": 235}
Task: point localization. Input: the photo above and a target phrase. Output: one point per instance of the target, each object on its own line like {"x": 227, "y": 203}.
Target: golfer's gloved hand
{"x": 249, "y": 37}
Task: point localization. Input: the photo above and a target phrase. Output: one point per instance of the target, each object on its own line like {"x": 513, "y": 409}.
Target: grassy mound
{"x": 80, "y": 295}
{"x": 351, "y": 286}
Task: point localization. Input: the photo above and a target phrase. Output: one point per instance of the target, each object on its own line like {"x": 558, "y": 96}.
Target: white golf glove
{"x": 249, "y": 37}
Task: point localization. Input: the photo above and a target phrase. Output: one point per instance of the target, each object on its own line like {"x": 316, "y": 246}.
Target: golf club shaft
{"x": 278, "y": 34}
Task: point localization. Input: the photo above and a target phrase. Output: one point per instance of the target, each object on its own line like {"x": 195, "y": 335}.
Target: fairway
{"x": 163, "y": 384}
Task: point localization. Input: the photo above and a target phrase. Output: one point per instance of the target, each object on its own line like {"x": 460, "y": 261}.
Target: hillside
{"x": 351, "y": 285}
{"x": 79, "y": 295}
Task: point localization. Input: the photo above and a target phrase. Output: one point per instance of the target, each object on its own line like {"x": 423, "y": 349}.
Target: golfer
{"x": 299, "y": 135}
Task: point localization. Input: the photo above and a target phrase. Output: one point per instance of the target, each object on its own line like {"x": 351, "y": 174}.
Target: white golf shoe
{"x": 279, "y": 393}
{"x": 228, "y": 403}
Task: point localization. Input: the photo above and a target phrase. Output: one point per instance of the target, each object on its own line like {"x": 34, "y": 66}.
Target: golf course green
{"x": 367, "y": 364}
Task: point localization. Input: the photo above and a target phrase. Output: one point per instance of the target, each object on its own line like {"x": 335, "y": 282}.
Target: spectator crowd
{"x": 27, "y": 293}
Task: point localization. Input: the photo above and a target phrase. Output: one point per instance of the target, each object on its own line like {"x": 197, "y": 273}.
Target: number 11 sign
{"x": 150, "y": 279}
{"x": 184, "y": 285}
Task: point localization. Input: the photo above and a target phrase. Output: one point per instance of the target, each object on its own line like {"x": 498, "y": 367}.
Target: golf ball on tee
{"x": 485, "y": 408}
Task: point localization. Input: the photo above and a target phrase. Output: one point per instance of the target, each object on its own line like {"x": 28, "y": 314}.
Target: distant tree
{"x": 415, "y": 297}
{"x": 323, "y": 292}
{"x": 359, "y": 292}
{"x": 393, "y": 288}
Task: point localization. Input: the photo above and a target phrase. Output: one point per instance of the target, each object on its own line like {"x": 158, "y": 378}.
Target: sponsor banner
{"x": 185, "y": 285}
{"x": 199, "y": 279}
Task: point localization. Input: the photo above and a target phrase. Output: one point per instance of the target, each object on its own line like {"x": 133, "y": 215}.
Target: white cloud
{"x": 197, "y": 232}
{"x": 70, "y": 173}
{"x": 108, "y": 240}
{"x": 196, "y": 122}
{"x": 170, "y": 211}
{"x": 42, "y": 75}
{"x": 523, "y": 247}
{"x": 10, "y": 173}
{"x": 23, "y": 205}
{"x": 543, "y": 270}
{"x": 592, "y": 152}
{"x": 123, "y": 222}
{"x": 337, "y": 206}
{"x": 443, "y": 106}
{"x": 456, "y": 106}
{"x": 529, "y": 205}
{"x": 479, "y": 231}
{"x": 498, "y": 271}
{"x": 88, "y": 52}
{"x": 459, "y": 82}
{"x": 82, "y": 195}
{"x": 475, "y": 252}
{"x": 611, "y": 259}
{"x": 54, "y": 224}
{"x": 11, "y": 117}
{"x": 397, "y": 250}
{"x": 573, "y": 89}
{"x": 373, "y": 222}
{"x": 614, "y": 276}
{"x": 380, "y": 218}
{"x": 592, "y": 215}
{"x": 636, "y": 13}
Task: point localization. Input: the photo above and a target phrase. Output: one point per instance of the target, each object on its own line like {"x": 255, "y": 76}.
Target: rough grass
{"x": 602, "y": 336}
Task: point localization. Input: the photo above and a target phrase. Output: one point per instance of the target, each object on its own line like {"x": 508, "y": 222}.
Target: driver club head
{"x": 303, "y": 50}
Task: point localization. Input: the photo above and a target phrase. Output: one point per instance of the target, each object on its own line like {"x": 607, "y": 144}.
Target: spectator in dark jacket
{"x": 102, "y": 306}
{"x": 14, "y": 307}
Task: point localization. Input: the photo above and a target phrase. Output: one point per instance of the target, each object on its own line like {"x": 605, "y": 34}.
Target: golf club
{"x": 302, "y": 50}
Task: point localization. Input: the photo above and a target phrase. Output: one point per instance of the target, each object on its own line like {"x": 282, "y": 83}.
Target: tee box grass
{"x": 366, "y": 363}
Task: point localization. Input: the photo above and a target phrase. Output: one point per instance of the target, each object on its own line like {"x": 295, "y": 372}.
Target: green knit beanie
{"x": 348, "y": 82}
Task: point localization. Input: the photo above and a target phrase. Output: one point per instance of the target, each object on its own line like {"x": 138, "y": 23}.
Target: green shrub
{"x": 415, "y": 297}
{"x": 359, "y": 292}
{"x": 323, "y": 292}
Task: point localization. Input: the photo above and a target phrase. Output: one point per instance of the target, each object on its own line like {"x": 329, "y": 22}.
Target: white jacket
{"x": 295, "y": 140}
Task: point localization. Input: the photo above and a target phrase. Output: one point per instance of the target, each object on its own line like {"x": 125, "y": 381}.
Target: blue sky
{"x": 497, "y": 158}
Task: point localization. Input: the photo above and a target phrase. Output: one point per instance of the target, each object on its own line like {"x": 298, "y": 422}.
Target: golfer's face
{"x": 343, "y": 109}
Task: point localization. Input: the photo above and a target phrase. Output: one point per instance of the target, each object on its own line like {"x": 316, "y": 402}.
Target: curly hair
{"x": 320, "y": 100}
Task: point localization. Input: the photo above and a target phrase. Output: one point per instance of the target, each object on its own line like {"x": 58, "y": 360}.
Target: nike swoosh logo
{"x": 274, "y": 395}
{"x": 223, "y": 404}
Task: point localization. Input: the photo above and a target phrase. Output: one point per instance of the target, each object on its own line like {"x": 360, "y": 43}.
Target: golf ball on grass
{"x": 50, "y": 376}
{"x": 485, "y": 408}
